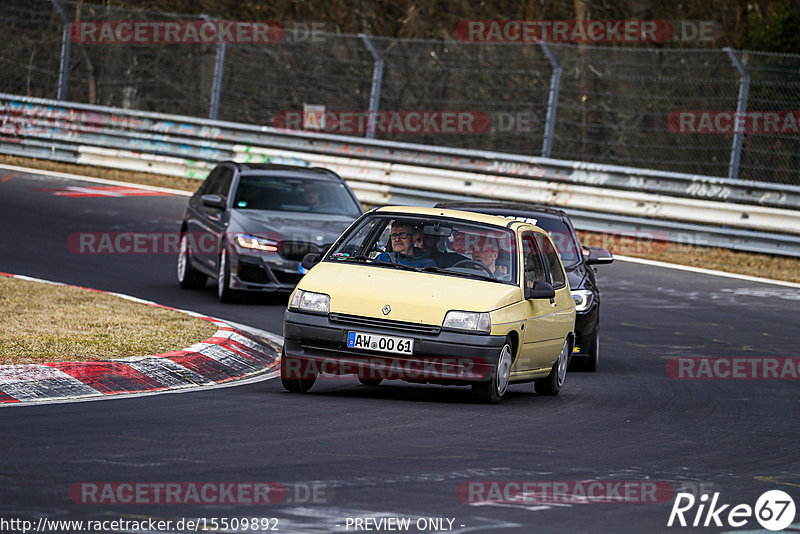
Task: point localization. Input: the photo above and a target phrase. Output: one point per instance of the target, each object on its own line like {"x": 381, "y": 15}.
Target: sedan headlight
{"x": 462, "y": 320}
{"x": 583, "y": 299}
{"x": 311, "y": 302}
{"x": 256, "y": 243}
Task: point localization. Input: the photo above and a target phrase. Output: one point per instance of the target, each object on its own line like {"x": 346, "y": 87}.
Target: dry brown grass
{"x": 47, "y": 323}
{"x": 764, "y": 265}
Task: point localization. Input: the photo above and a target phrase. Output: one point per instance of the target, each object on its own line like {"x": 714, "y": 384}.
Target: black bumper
{"x": 444, "y": 357}
{"x": 586, "y": 330}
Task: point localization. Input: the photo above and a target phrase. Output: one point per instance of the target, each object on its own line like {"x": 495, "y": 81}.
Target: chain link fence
{"x": 618, "y": 105}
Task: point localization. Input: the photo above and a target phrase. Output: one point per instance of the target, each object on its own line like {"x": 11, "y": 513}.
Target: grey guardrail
{"x": 188, "y": 146}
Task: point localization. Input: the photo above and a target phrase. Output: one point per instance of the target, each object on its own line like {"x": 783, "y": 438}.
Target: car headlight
{"x": 309, "y": 301}
{"x": 461, "y": 320}
{"x": 256, "y": 243}
{"x": 583, "y": 299}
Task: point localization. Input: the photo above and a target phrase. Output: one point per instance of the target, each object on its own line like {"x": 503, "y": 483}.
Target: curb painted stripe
{"x": 229, "y": 354}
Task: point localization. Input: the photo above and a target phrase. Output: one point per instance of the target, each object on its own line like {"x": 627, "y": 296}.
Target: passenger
{"x": 403, "y": 250}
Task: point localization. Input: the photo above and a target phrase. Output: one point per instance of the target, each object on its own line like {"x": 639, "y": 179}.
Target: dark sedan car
{"x": 577, "y": 262}
{"x": 249, "y": 226}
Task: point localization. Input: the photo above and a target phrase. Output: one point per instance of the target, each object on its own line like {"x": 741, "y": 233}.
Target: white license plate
{"x": 397, "y": 345}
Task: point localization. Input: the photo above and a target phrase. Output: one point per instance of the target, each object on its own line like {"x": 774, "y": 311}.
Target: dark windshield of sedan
{"x": 279, "y": 193}
{"x": 563, "y": 240}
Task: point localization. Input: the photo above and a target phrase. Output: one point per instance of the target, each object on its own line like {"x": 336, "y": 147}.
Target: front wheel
{"x": 593, "y": 360}
{"x": 224, "y": 292}
{"x": 492, "y": 391}
{"x": 188, "y": 276}
{"x": 291, "y": 371}
{"x": 551, "y": 385}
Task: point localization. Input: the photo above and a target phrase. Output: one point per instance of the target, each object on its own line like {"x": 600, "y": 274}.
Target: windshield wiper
{"x": 459, "y": 273}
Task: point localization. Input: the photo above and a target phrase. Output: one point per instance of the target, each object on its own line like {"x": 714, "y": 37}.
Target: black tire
{"x": 188, "y": 276}
{"x": 551, "y": 385}
{"x": 224, "y": 292}
{"x": 491, "y": 391}
{"x": 294, "y": 385}
{"x": 590, "y": 364}
{"x": 370, "y": 381}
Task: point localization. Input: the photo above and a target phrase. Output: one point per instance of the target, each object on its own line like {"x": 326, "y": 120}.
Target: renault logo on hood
{"x": 387, "y": 309}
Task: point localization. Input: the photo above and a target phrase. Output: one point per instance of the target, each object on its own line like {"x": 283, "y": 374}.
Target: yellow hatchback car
{"x": 436, "y": 296}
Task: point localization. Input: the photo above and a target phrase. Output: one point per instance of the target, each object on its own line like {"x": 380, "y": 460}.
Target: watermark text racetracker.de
{"x": 734, "y": 368}
{"x": 202, "y": 493}
{"x": 120, "y": 32}
{"x": 564, "y": 491}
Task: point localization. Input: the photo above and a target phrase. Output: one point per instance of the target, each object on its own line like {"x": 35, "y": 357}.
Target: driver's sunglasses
{"x": 402, "y": 235}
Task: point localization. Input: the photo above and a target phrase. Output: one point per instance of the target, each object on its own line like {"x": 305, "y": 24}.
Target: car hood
{"x": 283, "y": 226}
{"x": 424, "y": 298}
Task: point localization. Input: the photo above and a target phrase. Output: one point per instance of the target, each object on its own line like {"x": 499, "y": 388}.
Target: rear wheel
{"x": 290, "y": 367}
{"x": 551, "y": 385}
{"x": 188, "y": 276}
{"x": 492, "y": 391}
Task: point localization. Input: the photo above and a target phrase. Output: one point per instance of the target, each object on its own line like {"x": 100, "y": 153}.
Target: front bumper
{"x": 586, "y": 330}
{"x": 315, "y": 343}
{"x": 270, "y": 273}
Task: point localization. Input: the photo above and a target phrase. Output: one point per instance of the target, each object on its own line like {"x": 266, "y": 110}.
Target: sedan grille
{"x": 368, "y": 322}
{"x": 295, "y": 250}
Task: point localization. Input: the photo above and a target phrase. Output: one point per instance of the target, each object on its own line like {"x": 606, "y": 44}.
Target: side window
{"x": 222, "y": 183}
{"x": 534, "y": 267}
{"x": 551, "y": 258}
{"x": 211, "y": 181}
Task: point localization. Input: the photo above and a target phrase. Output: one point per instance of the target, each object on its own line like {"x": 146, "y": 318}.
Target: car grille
{"x": 253, "y": 274}
{"x": 367, "y": 322}
{"x": 287, "y": 278}
{"x": 295, "y": 250}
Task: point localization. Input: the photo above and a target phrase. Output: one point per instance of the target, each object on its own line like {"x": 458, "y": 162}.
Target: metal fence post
{"x": 63, "y": 67}
{"x": 377, "y": 81}
{"x": 741, "y": 109}
{"x": 552, "y": 100}
{"x": 216, "y": 86}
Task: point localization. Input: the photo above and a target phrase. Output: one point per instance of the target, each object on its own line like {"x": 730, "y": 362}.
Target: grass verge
{"x": 47, "y": 323}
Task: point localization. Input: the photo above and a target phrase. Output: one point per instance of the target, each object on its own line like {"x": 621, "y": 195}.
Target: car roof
{"x": 507, "y": 208}
{"x": 456, "y": 214}
{"x": 320, "y": 173}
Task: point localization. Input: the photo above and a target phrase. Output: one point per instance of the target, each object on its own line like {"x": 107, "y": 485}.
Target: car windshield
{"x": 439, "y": 245}
{"x": 563, "y": 239}
{"x": 305, "y": 195}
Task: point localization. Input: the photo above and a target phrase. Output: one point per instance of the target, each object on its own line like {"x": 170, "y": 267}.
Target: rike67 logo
{"x": 774, "y": 510}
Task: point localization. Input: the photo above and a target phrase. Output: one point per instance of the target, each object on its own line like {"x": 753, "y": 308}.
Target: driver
{"x": 403, "y": 250}
{"x": 487, "y": 253}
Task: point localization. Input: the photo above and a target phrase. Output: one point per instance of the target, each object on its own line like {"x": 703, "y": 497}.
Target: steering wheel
{"x": 474, "y": 263}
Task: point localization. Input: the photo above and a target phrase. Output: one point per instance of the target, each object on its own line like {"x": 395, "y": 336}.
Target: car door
{"x": 544, "y": 331}
{"x": 561, "y": 321}
{"x": 538, "y": 335}
{"x": 210, "y": 222}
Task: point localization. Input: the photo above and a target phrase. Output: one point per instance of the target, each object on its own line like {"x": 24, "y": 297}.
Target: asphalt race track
{"x": 402, "y": 450}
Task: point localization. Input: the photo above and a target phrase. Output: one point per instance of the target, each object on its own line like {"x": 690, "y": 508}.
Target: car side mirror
{"x": 598, "y": 256}
{"x": 540, "y": 290}
{"x": 213, "y": 201}
{"x": 310, "y": 260}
